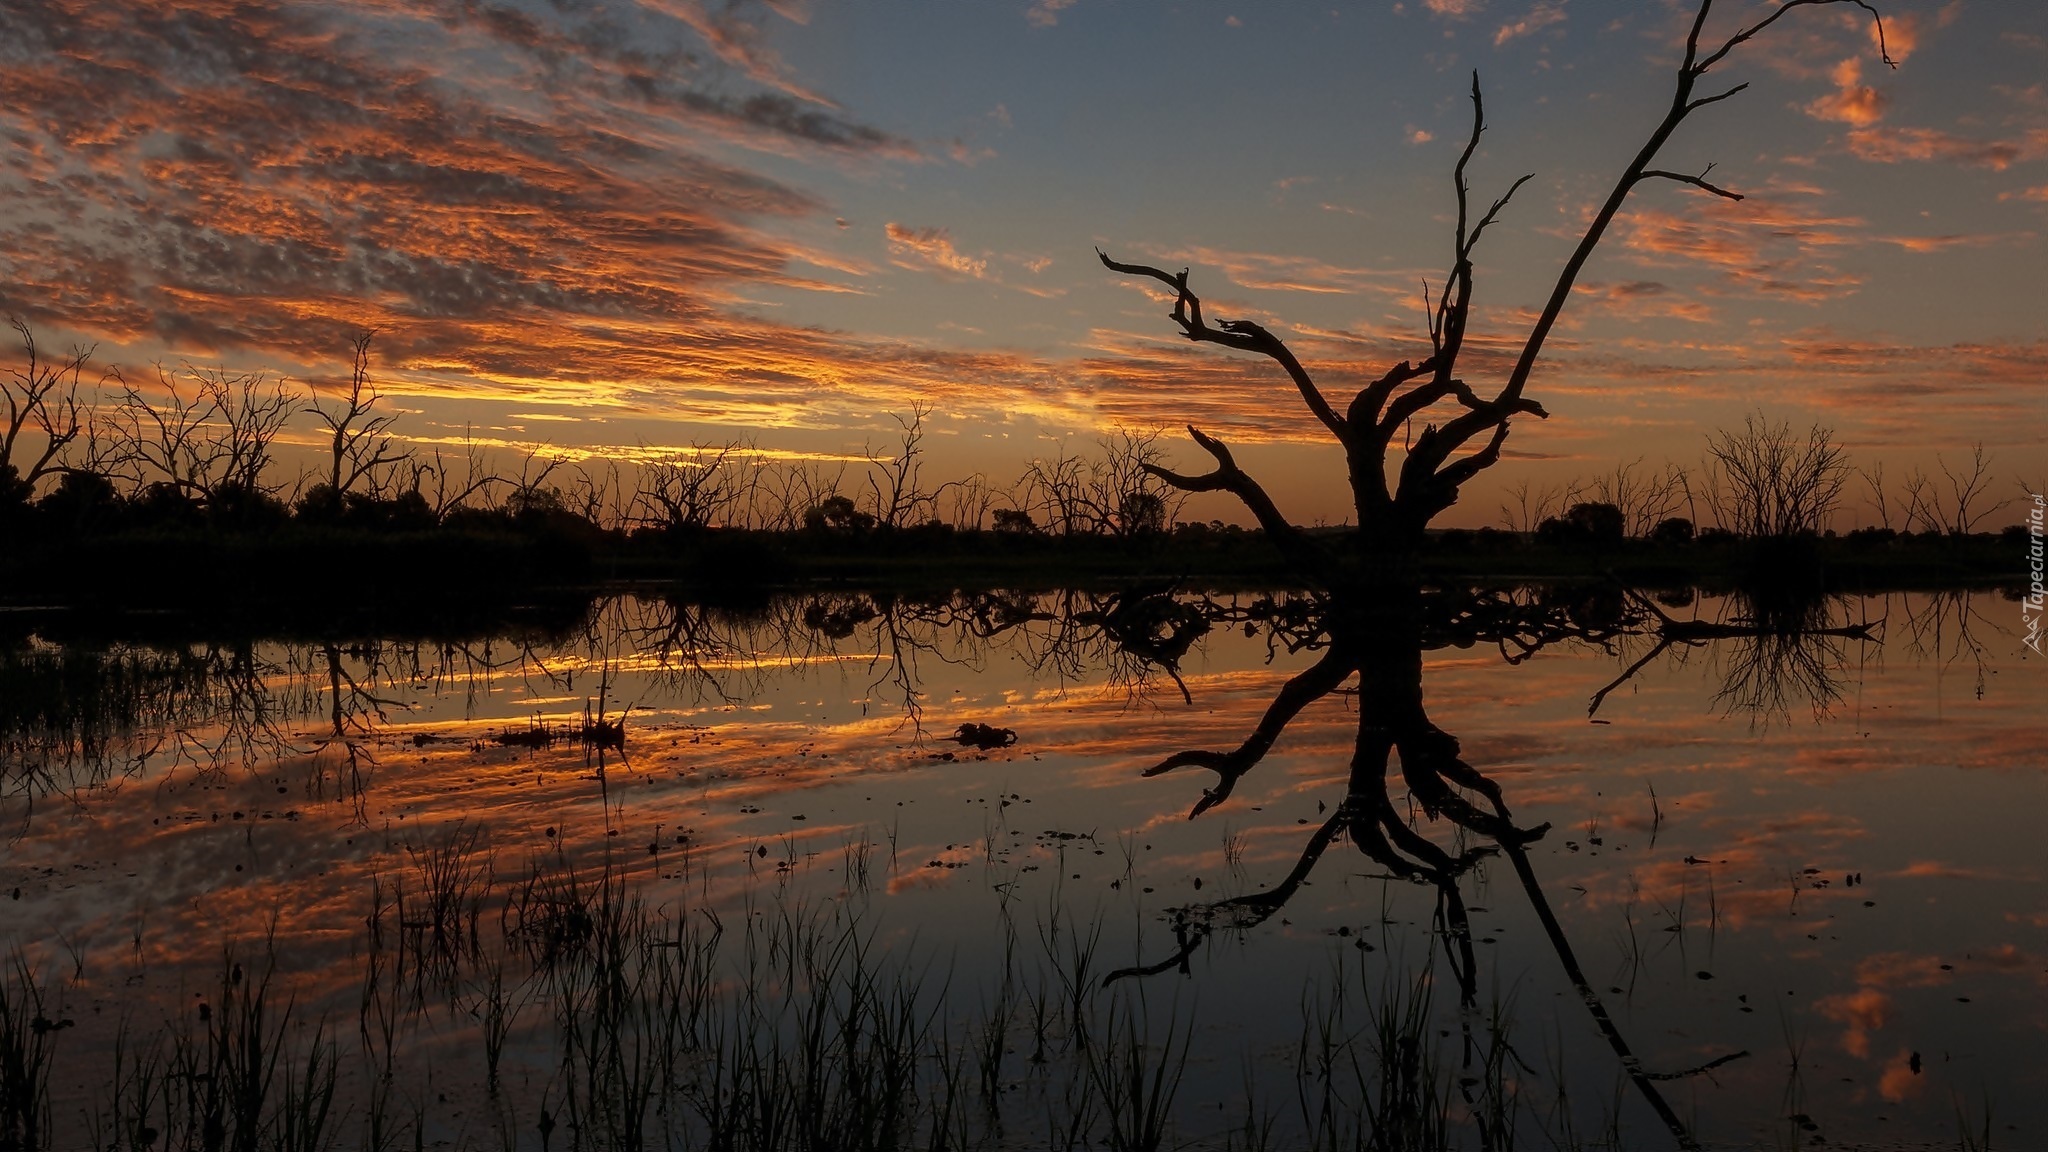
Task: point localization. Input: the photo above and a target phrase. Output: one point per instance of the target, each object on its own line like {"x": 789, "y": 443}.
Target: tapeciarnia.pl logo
{"x": 2030, "y": 607}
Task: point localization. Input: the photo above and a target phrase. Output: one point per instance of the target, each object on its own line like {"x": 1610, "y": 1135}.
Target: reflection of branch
{"x": 1228, "y": 477}
{"x": 1702, "y": 1070}
{"x": 1662, "y": 645}
{"x": 1943, "y": 630}
{"x": 1243, "y": 911}
{"x": 1630, "y": 1063}
{"x": 1786, "y": 653}
{"x": 1310, "y": 685}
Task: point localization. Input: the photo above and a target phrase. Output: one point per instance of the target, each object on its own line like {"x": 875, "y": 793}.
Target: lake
{"x": 847, "y": 869}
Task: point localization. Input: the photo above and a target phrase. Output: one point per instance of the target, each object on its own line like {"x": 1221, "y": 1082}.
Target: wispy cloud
{"x": 1888, "y": 145}
{"x": 1046, "y": 13}
{"x": 931, "y": 248}
{"x": 1282, "y": 272}
{"x": 1543, "y": 15}
{"x": 1643, "y": 300}
{"x": 1764, "y": 245}
{"x": 734, "y": 32}
{"x": 560, "y": 219}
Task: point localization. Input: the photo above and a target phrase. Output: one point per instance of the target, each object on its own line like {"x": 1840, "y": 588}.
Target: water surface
{"x": 1779, "y": 886}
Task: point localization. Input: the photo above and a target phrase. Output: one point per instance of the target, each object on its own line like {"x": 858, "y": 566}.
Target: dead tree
{"x": 361, "y": 449}
{"x": 1646, "y": 497}
{"x": 1379, "y": 640}
{"x": 1880, "y": 500}
{"x": 207, "y": 436}
{"x": 1958, "y": 511}
{"x": 969, "y": 501}
{"x": 1115, "y": 494}
{"x": 693, "y": 490}
{"x": 452, "y": 492}
{"x": 1466, "y": 439}
{"x": 896, "y": 494}
{"x": 1767, "y": 483}
{"x": 42, "y": 400}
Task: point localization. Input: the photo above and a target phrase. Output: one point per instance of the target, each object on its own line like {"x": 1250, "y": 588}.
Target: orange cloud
{"x": 316, "y": 173}
{"x": 1898, "y": 145}
{"x": 738, "y": 41}
{"x": 1900, "y": 1079}
{"x": 1765, "y": 245}
{"x": 1643, "y": 300}
{"x": 931, "y": 248}
{"x": 1899, "y": 35}
{"x": 1862, "y": 1012}
{"x": 1268, "y": 271}
{"x": 1852, "y": 102}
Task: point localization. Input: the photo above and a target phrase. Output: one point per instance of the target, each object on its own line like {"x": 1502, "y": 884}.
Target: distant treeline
{"x": 110, "y": 488}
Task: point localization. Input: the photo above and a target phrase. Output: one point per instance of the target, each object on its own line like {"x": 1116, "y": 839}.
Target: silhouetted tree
{"x": 897, "y": 497}
{"x": 1966, "y": 503}
{"x": 1645, "y": 497}
{"x": 361, "y": 451}
{"x": 838, "y": 514}
{"x": 1768, "y": 483}
{"x": 1393, "y": 510}
{"x": 1014, "y": 521}
{"x": 43, "y": 416}
{"x": 204, "y": 433}
{"x": 691, "y": 491}
{"x": 1115, "y": 493}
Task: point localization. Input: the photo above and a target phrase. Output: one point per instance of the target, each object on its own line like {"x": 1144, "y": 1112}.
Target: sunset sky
{"x": 626, "y": 225}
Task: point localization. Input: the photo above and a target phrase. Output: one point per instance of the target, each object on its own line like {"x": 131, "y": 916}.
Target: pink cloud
{"x": 1852, "y": 102}
{"x": 1543, "y": 15}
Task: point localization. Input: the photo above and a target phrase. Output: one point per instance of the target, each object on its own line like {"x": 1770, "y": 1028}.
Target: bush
{"x": 1674, "y": 530}
{"x": 1584, "y": 523}
{"x": 838, "y": 514}
{"x": 1014, "y": 521}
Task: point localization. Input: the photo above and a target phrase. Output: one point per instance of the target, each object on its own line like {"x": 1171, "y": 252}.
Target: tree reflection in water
{"x": 1378, "y": 639}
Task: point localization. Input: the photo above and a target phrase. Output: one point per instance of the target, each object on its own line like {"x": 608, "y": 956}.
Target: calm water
{"x": 1812, "y": 862}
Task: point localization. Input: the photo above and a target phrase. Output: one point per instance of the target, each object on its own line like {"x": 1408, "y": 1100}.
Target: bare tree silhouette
{"x": 1966, "y": 504}
{"x": 1438, "y": 461}
{"x": 206, "y": 435}
{"x": 1766, "y": 482}
{"x": 362, "y": 452}
{"x": 42, "y": 401}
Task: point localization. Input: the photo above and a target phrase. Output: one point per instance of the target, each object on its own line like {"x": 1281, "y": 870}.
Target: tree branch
{"x": 1682, "y": 104}
{"x": 1699, "y": 181}
{"x": 1744, "y": 35}
{"x": 1228, "y": 477}
{"x": 1243, "y": 335}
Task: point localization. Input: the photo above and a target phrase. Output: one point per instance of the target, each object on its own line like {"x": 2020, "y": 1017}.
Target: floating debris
{"x": 985, "y": 736}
